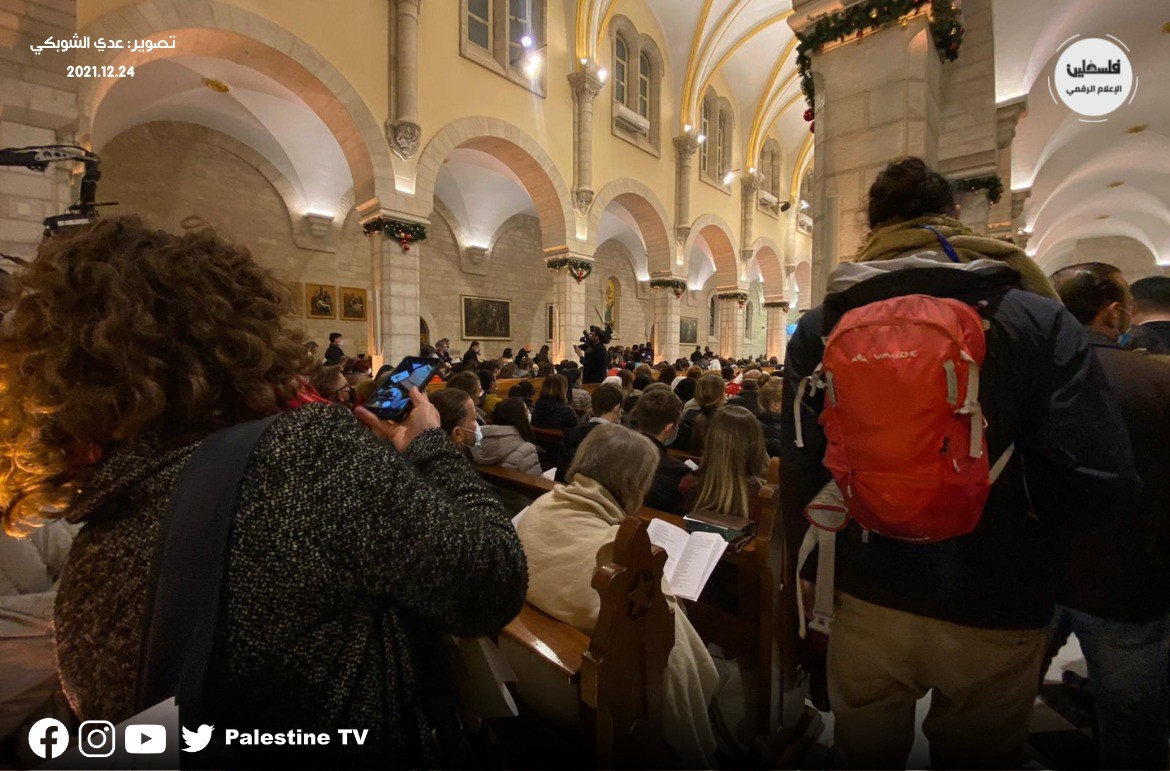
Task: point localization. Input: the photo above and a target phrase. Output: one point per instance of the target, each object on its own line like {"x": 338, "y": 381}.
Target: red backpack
{"x": 902, "y": 418}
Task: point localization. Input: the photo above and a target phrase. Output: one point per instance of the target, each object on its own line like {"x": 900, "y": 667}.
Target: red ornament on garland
{"x": 808, "y": 115}
{"x": 812, "y": 127}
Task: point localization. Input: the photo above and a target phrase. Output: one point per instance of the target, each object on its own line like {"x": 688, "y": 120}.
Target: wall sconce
{"x": 319, "y": 224}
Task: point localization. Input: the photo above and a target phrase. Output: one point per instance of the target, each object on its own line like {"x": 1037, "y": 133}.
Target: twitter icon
{"x": 197, "y": 740}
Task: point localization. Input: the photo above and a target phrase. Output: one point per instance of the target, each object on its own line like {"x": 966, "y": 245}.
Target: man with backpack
{"x": 964, "y": 422}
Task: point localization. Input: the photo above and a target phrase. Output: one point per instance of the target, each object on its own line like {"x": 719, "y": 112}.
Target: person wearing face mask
{"x": 332, "y": 385}
{"x": 1117, "y": 599}
{"x": 457, "y": 418}
{"x": 657, "y": 416}
{"x": 334, "y": 354}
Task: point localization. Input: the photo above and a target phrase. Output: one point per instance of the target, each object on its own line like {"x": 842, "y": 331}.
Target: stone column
{"x": 667, "y": 312}
{"x": 1002, "y": 219}
{"x": 405, "y": 131}
{"x": 569, "y": 305}
{"x": 731, "y": 320}
{"x": 877, "y": 99}
{"x": 776, "y": 309}
{"x": 684, "y": 148}
{"x": 396, "y": 290}
{"x": 38, "y": 105}
{"x": 750, "y": 187}
{"x": 586, "y": 85}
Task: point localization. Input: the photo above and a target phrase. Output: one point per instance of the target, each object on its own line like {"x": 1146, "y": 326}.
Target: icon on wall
{"x": 353, "y": 304}
{"x": 688, "y": 330}
{"x": 320, "y": 301}
{"x": 486, "y": 318}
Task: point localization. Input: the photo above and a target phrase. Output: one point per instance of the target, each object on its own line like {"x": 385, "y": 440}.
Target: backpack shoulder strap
{"x": 946, "y": 245}
{"x": 189, "y": 563}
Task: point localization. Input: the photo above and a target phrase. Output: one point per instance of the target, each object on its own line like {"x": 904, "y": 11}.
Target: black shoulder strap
{"x": 189, "y": 563}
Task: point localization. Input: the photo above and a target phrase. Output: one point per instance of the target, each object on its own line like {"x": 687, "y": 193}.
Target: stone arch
{"x": 519, "y": 152}
{"x": 718, "y": 235}
{"x": 228, "y": 32}
{"x": 767, "y": 256}
{"x": 643, "y": 205}
{"x": 802, "y": 284}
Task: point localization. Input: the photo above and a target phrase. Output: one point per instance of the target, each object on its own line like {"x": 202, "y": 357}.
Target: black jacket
{"x": 749, "y": 399}
{"x": 1154, "y": 336}
{"x": 770, "y": 423}
{"x": 1127, "y": 578}
{"x": 663, "y": 493}
{"x": 593, "y": 362}
{"x": 568, "y": 449}
{"x": 334, "y": 355}
{"x": 1041, "y": 388}
{"x": 552, "y": 413}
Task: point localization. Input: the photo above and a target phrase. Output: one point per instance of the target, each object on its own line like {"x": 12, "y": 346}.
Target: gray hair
{"x": 620, "y": 460}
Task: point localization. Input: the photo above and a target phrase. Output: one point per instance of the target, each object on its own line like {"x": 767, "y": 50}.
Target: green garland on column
{"x": 853, "y": 22}
{"x": 993, "y": 185}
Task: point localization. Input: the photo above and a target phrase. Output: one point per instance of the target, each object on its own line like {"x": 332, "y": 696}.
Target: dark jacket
{"x": 470, "y": 357}
{"x": 770, "y": 423}
{"x": 1154, "y": 336}
{"x": 748, "y": 398}
{"x": 568, "y": 449}
{"x": 334, "y": 355}
{"x": 348, "y": 567}
{"x": 1041, "y": 388}
{"x": 663, "y": 493}
{"x": 593, "y": 364}
{"x": 1127, "y": 578}
{"x": 553, "y": 413}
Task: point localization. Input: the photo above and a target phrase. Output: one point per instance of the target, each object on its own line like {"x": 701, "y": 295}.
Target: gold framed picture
{"x": 486, "y": 318}
{"x": 320, "y": 301}
{"x": 354, "y": 302}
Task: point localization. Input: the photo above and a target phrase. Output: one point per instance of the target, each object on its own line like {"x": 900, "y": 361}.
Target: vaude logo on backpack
{"x": 902, "y": 418}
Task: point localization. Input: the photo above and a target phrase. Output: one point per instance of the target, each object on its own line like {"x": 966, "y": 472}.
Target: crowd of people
{"x": 358, "y": 548}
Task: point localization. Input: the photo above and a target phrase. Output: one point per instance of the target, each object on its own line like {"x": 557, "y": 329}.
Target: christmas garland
{"x": 740, "y": 297}
{"x": 579, "y": 269}
{"x": 676, "y": 285}
{"x": 402, "y": 232}
{"x": 945, "y": 28}
{"x": 993, "y": 185}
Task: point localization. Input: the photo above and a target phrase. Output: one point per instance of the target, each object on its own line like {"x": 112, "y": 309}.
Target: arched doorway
{"x": 424, "y": 333}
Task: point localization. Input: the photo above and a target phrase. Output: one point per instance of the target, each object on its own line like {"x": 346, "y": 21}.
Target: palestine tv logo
{"x": 1093, "y": 77}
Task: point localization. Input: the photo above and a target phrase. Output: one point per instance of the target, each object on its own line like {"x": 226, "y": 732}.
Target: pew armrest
{"x": 558, "y": 644}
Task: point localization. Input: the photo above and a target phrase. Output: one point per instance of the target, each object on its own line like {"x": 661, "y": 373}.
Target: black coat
{"x": 747, "y": 398}
{"x": 663, "y": 493}
{"x": 334, "y": 355}
{"x": 593, "y": 364}
{"x": 553, "y": 413}
{"x": 1154, "y": 336}
{"x": 1040, "y": 388}
{"x": 568, "y": 449}
{"x": 770, "y": 423}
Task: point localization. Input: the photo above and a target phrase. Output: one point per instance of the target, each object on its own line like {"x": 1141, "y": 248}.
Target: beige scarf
{"x": 897, "y": 239}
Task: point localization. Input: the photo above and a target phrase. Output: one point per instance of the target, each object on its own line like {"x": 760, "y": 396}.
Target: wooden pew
{"x": 617, "y": 673}
{"x": 753, "y": 624}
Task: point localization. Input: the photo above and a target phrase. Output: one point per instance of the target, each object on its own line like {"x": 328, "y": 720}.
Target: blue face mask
{"x": 1125, "y": 337}
{"x": 673, "y": 436}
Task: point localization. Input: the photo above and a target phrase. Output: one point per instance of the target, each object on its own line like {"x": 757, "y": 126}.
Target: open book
{"x": 690, "y": 557}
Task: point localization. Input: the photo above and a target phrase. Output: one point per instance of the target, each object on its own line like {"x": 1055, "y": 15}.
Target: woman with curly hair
{"x": 129, "y": 346}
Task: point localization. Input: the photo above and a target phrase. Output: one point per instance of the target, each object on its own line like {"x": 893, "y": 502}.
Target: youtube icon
{"x": 145, "y": 739}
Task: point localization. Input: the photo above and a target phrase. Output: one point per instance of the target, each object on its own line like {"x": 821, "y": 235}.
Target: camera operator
{"x": 593, "y": 354}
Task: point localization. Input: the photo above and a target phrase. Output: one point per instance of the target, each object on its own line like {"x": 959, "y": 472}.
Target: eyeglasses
{"x": 343, "y": 395}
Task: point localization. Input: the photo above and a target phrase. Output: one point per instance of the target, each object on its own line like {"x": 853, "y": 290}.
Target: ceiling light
{"x": 1139, "y": 128}
{"x": 1116, "y": 183}
{"x": 584, "y": 61}
{"x": 687, "y": 128}
{"x": 526, "y": 41}
{"x": 602, "y": 74}
{"x": 218, "y": 86}
{"x": 701, "y": 138}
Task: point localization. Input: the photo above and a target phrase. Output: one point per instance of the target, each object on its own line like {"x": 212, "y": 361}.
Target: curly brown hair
{"x": 122, "y": 331}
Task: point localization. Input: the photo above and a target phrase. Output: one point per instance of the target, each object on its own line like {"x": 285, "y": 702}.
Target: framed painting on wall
{"x": 550, "y": 324}
{"x": 688, "y": 330}
{"x": 486, "y": 318}
{"x": 353, "y": 303}
{"x": 320, "y": 301}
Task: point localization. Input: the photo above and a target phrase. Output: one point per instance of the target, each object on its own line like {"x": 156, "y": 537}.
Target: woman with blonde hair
{"x": 710, "y": 394}
{"x": 569, "y": 532}
{"x": 132, "y": 347}
{"x": 732, "y": 470}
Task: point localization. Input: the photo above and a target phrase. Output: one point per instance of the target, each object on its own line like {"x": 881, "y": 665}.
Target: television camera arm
{"x": 39, "y": 158}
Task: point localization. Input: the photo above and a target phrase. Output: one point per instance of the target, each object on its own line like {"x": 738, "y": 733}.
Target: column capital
{"x": 1019, "y": 198}
{"x": 751, "y": 185}
{"x": 586, "y": 85}
{"x": 1007, "y": 115}
{"x": 404, "y": 138}
{"x": 685, "y": 146}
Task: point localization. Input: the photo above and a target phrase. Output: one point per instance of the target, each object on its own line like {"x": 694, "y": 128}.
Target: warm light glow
{"x": 1139, "y": 128}
{"x": 218, "y": 86}
{"x": 532, "y": 65}
{"x": 752, "y": 170}
{"x": 701, "y": 138}
{"x": 687, "y": 128}
{"x": 728, "y": 177}
{"x": 1116, "y": 183}
{"x": 803, "y": 205}
{"x": 584, "y": 62}
{"x": 602, "y": 74}
{"x": 526, "y": 41}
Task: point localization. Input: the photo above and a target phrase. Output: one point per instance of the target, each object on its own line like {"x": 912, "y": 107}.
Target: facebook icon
{"x": 48, "y": 738}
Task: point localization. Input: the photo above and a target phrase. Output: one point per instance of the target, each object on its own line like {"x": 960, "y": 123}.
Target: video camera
{"x": 38, "y": 159}
{"x": 605, "y": 334}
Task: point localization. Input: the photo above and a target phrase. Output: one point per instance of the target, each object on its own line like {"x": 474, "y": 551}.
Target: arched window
{"x": 621, "y": 67}
{"x": 721, "y": 145}
{"x": 644, "y": 85}
{"x": 494, "y": 32}
{"x": 769, "y": 167}
{"x": 705, "y": 130}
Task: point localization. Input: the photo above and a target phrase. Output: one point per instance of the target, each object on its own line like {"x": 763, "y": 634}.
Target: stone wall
{"x": 165, "y": 179}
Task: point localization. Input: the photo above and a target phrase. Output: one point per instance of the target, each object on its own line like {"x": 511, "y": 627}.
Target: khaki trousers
{"x": 983, "y": 684}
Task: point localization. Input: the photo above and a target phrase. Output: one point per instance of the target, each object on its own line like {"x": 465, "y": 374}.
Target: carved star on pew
{"x": 639, "y": 598}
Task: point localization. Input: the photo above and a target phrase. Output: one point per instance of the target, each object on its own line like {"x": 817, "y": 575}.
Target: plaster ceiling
{"x": 617, "y": 223}
{"x": 1067, "y": 163}
{"x": 482, "y": 193}
{"x": 257, "y": 111}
